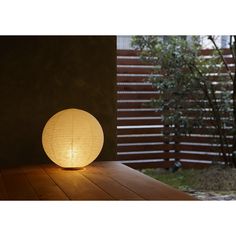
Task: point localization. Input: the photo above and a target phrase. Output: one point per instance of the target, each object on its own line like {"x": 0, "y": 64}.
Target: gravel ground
{"x": 213, "y": 196}
{"x": 213, "y": 183}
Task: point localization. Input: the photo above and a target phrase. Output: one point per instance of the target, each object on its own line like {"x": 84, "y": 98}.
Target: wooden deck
{"x": 99, "y": 181}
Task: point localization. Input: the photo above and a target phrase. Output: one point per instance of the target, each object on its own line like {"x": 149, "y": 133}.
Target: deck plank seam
{"x": 55, "y": 182}
{"x": 30, "y": 184}
{"x": 27, "y": 181}
{"x": 113, "y": 198}
{"x": 127, "y": 188}
{"x": 164, "y": 195}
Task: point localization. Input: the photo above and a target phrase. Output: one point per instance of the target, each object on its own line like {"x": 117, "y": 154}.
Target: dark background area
{"x": 40, "y": 76}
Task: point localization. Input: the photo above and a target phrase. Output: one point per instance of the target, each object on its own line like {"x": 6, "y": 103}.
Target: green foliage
{"x": 181, "y": 179}
{"x": 214, "y": 178}
{"x": 188, "y": 94}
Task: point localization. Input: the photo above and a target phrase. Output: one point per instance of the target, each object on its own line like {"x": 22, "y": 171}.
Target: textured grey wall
{"x": 40, "y": 76}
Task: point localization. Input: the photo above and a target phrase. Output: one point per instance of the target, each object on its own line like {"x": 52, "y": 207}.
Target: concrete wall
{"x": 40, "y": 76}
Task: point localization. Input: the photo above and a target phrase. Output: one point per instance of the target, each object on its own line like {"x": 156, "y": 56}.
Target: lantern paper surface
{"x": 72, "y": 138}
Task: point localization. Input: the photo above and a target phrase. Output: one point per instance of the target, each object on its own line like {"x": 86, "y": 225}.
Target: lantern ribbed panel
{"x": 72, "y": 138}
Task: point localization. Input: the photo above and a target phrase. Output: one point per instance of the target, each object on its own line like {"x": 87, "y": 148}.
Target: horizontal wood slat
{"x": 148, "y": 87}
{"x": 153, "y": 139}
{"x": 203, "y": 52}
{"x": 146, "y": 103}
{"x": 144, "y": 148}
{"x": 138, "y": 62}
{"x": 142, "y": 156}
{"x": 134, "y": 113}
{"x": 157, "y": 121}
{"x": 124, "y": 105}
{"x": 127, "y": 87}
{"x": 135, "y": 70}
{"x": 158, "y": 130}
{"x": 202, "y": 131}
{"x": 139, "y": 113}
{"x": 150, "y": 164}
{"x": 131, "y": 61}
{"x": 147, "y": 70}
{"x": 126, "y": 52}
{"x": 140, "y": 139}
{"x": 196, "y": 157}
{"x": 140, "y": 78}
{"x": 137, "y": 78}
{"x": 166, "y": 155}
{"x": 199, "y": 148}
{"x": 177, "y": 147}
{"x": 139, "y": 131}
{"x": 142, "y": 95}
{"x": 140, "y": 122}
{"x": 123, "y": 78}
{"x": 206, "y": 140}
{"x": 165, "y": 164}
{"x": 209, "y": 52}
{"x": 137, "y": 96}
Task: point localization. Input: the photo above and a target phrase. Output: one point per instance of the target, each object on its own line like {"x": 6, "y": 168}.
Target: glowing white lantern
{"x": 72, "y": 138}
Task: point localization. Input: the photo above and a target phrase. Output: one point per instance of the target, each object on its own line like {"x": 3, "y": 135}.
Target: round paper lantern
{"x": 72, "y": 138}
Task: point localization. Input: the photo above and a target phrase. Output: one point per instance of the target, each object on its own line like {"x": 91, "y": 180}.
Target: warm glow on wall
{"x": 72, "y": 138}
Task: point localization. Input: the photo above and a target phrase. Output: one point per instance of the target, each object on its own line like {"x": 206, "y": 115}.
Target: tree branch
{"x": 221, "y": 56}
{"x": 215, "y": 111}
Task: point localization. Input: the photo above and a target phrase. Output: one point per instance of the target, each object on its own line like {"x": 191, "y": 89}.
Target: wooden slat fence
{"x": 140, "y": 127}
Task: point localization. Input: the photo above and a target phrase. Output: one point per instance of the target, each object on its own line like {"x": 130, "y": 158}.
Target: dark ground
{"x": 213, "y": 183}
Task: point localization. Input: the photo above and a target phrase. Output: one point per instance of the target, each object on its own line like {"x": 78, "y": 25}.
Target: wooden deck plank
{"x": 3, "y": 193}
{"x": 17, "y": 185}
{"x": 98, "y": 181}
{"x": 109, "y": 185}
{"x": 143, "y": 185}
{"x": 43, "y": 185}
{"x": 75, "y": 185}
